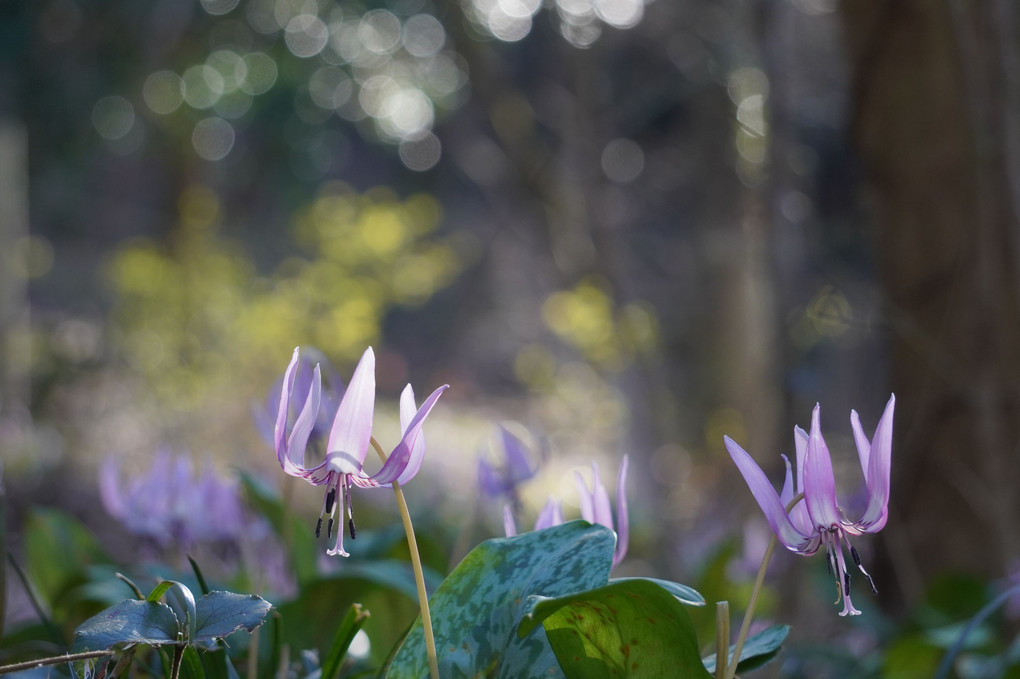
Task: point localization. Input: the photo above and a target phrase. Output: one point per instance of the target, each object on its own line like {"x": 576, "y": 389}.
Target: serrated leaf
{"x": 758, "y": 649}
{"x": 129, "y": 622}
{"x": 632, "y": 627}
{"x": 477, "y": 609}
{"x": 219, "y": 614}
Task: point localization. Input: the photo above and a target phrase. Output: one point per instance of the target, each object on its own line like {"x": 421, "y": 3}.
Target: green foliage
{"x": 181, "y": 620}
{"x": 477, "y": 609}
{"x": 197, "y": 319}
{"x": 521, "y": 606}
{"x": 629, "y": 628}
{"x": 758, "y": 649}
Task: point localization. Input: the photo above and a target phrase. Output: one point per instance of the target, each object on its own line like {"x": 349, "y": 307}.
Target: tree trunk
{"x": 935, "y": 117}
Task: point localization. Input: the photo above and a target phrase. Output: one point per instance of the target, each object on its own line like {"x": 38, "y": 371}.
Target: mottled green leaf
{"x": 477, "y": 609}
{"x": 685, "y": 594}
{"x": 221, "y": 613}
{"x": 129, "y": 622}
{"x": 758, "y": 649}
{"x": 630, "y": 628}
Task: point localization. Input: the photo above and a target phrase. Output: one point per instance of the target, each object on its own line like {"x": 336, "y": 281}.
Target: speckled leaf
{"x": 631, "y": 628}
{"x": 477, "y": 609}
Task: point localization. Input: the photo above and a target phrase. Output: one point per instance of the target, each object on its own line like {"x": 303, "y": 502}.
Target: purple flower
{"x": 595, "y": 508}
{"x": 349, "y": 439}
{"x": 331, "y": 393}
{"x": 819, "y": 520}
{"x": 169, "y": 503}
{"x": 503, "y": 480}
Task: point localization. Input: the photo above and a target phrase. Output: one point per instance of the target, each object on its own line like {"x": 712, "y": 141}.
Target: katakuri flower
{"x": 818, "y": 520}
{"x": 595, "y": 508}
{"x": 516, "y": 469}
{"x": 265, "y": 413}
{"x": 349, "y": 439}
{"x": 170, "y": 503}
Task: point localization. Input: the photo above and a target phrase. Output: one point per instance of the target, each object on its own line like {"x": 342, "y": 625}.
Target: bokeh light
{"x": 163, "y": 92}
{"x": 213, "y": 138}
{"x": 113, "y": 117}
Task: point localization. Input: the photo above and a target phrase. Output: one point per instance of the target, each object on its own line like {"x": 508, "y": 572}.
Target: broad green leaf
{"x": 349, "y": 626}
{"x": 758, "y": 649}
{"x": 182, "y": 602}
{"x": 129, "y": 622}
{"x": 477, "y": 609}
{"x": 630, "y": 628}
{"x": 57, "y": 549}
{"x": 221, "y": 613}
{"x": 685, "y": 594}
{"x": 191, "y": 665}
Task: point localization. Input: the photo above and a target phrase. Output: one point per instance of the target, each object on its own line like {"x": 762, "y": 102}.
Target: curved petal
{"x": 786, "y": 494}
{"x": 509, "y": 525}
{"x": 405, "y": 460}
{"x": 408, "y": 409}
{"x": 551, "y": 515}
{"x": 293, "y": 458}
{"x": 622, "y": 514}
{"x": 879, "y": 464}
{"x": 586, "y": 498}
{"x": 600, "y": 499}
{"x": 352, "y": 428}
{"x": 767, "y": 499}
{"x": 283, "y": 405}
{"x": 800, "y": 439}
{"x": 488, "y": 479}
{"x": 819, "y": 482}
{"x": 518, "y": 467}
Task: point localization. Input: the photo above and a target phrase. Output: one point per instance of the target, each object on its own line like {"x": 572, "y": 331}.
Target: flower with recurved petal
{"x": 517, "y": 467}
{"x": 349, "y": 439}
{"x": 595, "y": 508}
{"x": 818, "y": 520}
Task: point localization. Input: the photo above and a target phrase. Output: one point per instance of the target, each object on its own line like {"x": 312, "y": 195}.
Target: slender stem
{"x": 749, "y": 613}
{"x": 52, "y": 660}
{"x": 722, "y": 638}
{"x": 419, "y": 575}
{"x": 175, "y": 669}
{"x": 253, "y": 654}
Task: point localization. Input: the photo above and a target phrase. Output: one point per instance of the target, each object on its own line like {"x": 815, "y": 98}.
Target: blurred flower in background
{"x": 517, "y": 466}
{"x": 170, "y": 504}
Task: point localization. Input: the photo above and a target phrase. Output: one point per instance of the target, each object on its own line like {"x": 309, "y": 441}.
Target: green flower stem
{"x": 419, "y": 576}
{"x": 749, "y": 613}
{"x": 722, "y": 638}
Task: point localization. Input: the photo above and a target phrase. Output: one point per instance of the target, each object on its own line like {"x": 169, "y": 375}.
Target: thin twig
{"x": 52, "y": 660}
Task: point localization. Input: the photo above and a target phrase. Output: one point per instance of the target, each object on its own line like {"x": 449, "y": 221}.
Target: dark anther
{"x": 329, "y": 530}
{"x": 828, "y": 561}
{"x": 330, "y": 499}
{"x": 846, "y": 583}
{"x": 318, "y": 527}
{"x": 350, "y": 524}
{"x": 857, "y": 560}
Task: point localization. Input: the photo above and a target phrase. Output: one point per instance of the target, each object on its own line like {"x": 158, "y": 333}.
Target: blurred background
{"x": 621, "y": 226}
